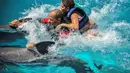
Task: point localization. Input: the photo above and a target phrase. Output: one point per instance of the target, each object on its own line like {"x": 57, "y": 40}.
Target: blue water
{"x": 11, "y": 9}
{"x": 112, "y": 50}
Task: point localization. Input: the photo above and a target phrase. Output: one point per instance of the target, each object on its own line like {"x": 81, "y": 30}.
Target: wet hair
{"x": 58, "y": 13}
{"x": 68, "y": 3}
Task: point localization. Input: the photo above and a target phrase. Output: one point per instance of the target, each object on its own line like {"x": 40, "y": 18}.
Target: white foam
{"x": 120, "y": 24}
{"x": 38, "y": 12}
{"x": 108, "y": 41}
{"x": 37, "y": 31}
{"x": 97, "y": 14}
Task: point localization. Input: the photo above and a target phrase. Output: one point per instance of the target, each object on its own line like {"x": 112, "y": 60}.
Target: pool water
{"x": 111, "y": 50}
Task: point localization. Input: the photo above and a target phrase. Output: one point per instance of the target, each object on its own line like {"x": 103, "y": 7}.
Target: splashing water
{"x": 111, "y": 49}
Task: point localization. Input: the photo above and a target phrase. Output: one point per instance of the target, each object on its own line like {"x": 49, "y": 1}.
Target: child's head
{"x": 66, "y": 5}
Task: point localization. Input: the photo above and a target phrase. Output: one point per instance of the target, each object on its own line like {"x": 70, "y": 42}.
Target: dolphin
{"x": 23, "y": 56}
{"x": 11, "y": 36}
{"x": 61, "y": 61}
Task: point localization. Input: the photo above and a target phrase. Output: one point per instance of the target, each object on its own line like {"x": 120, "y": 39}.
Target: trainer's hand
{"x": 29, "y": 45}
{"x": 15, "y": 23}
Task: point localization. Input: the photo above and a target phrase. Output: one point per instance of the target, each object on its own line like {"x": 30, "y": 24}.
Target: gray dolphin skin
{"x": 15, "y": 56}
{"x": 36, "y": 56}
{"x": 11, "y": 36}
